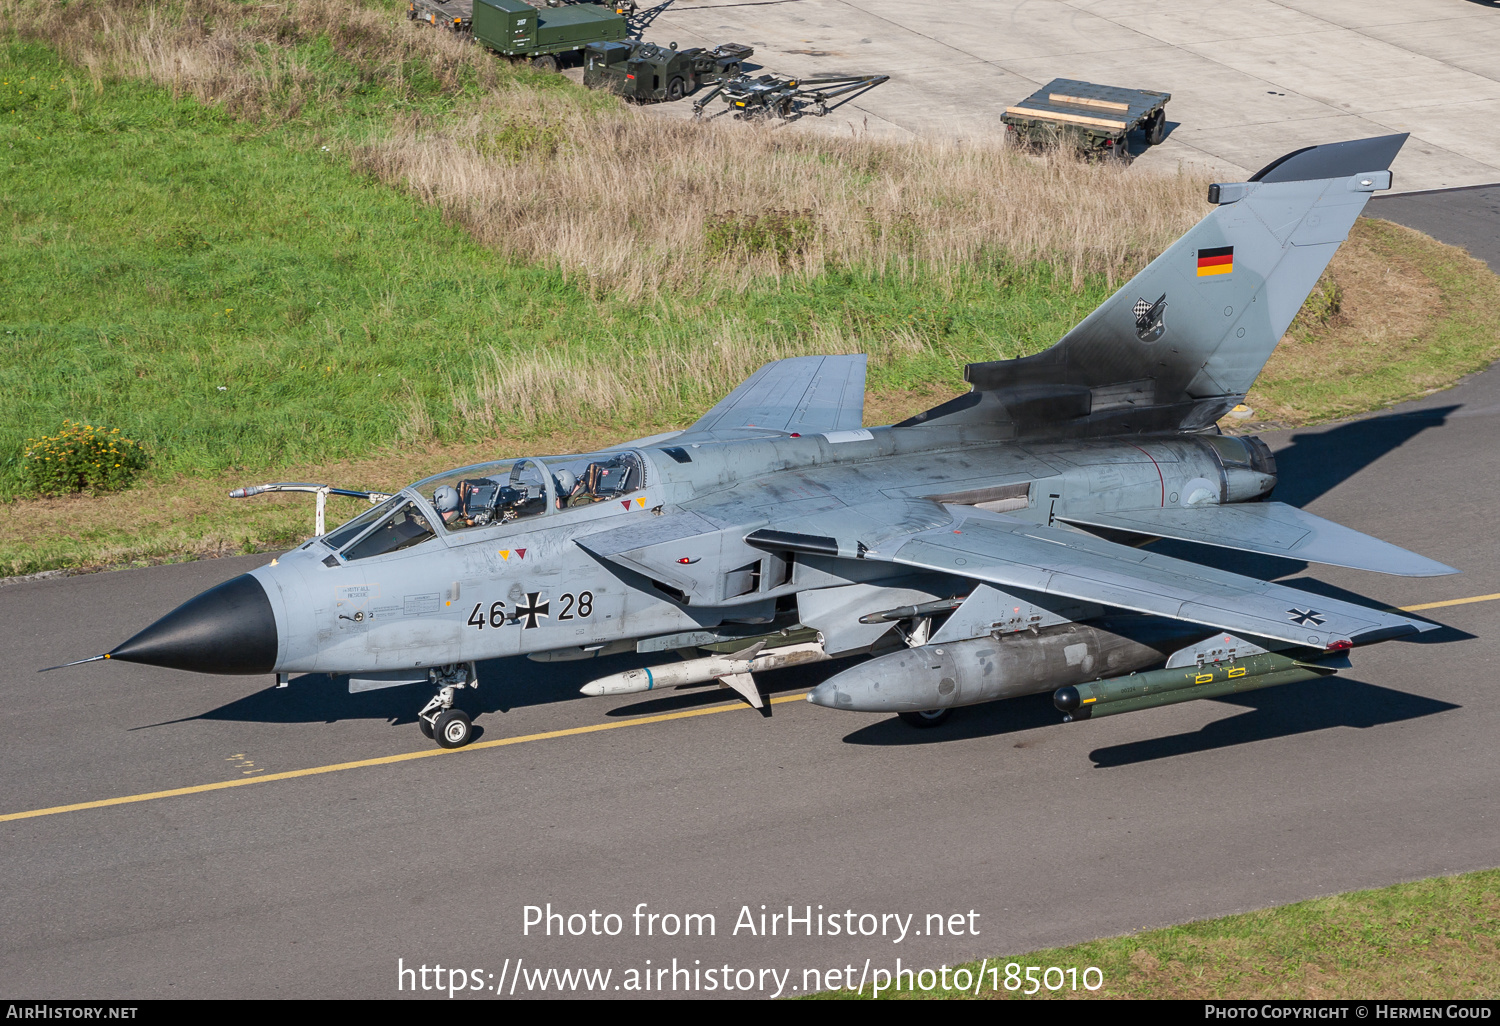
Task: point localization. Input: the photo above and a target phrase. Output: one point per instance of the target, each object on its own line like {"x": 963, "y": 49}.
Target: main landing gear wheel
{"x": 452, "y": 728}
{"x": 927, "y": 718}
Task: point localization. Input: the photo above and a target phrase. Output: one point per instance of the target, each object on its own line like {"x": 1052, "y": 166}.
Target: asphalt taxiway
{"x": 1250, "y": 79}
{"x": 311, "y": 879}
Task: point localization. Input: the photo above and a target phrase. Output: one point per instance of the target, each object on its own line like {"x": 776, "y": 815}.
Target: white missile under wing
{"x": 804, "y": 394}
{"x": 1016, "y": 554}
{"x": 1270, "y": 529}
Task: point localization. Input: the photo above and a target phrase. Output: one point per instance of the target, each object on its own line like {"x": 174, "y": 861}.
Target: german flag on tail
{"x": 1219, "y": 260}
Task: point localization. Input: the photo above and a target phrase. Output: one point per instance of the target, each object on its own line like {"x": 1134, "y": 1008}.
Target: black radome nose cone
{"x": 228, "y": 629}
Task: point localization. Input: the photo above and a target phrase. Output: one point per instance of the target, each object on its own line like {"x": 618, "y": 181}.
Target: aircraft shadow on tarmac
{"x": 1282, "y": 712}
{"x": 1274, "y": 712}
{"x": 504, "y": 684}
{"x": 1318, "y": 461}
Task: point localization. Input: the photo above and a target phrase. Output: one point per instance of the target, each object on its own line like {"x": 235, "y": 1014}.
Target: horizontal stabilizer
{"x": 1270, "y": 529}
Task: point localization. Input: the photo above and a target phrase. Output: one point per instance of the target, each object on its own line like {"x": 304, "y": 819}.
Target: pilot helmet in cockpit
{"x": 445, "y": 501}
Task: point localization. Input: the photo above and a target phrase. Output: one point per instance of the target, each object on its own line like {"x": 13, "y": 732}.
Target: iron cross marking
{"x": 1303, "y": 617}
{"x": 531, "y": 610}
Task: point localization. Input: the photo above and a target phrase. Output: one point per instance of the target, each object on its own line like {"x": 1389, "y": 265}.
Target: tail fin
{"x": 1182, "y": 341}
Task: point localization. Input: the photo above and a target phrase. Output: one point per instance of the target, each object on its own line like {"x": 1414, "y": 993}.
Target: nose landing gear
{"x": 439, "y": 720}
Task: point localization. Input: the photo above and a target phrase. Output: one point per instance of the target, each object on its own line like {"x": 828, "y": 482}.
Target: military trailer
{"x": 515, "y": 29}
{"x": 645, "y": 72}
{"x": 1094, "y": 119}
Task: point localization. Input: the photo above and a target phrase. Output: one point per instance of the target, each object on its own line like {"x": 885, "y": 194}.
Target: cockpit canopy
{"x": 487, "y": 494}
{"x": 502, "y": 492}
{"x": 400, "y": 524}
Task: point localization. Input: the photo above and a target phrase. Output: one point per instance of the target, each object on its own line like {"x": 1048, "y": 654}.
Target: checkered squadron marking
{"x": 1149, "y": 325}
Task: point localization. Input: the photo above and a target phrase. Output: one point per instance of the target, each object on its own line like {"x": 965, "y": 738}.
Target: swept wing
{"x": 1012, "y": 553}
{"x": 805, "y": 394}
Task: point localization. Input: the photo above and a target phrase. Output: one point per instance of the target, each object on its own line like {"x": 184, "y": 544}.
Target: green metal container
{"x": 516, "y": 29}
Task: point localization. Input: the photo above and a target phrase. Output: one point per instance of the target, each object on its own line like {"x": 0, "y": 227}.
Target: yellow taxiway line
{"x": 1449, "y": 602}
{"x": 428, "y": 753}
{"x": 384, "y": 760}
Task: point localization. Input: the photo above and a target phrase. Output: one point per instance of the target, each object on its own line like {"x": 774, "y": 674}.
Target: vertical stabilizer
{"x": 1186, "y": 337}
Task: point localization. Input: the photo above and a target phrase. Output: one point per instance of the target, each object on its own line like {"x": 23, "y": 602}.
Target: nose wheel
{"x": 439, "y": 720}
{"x": 926, "y": 718}
{"x": 452, "y": 729}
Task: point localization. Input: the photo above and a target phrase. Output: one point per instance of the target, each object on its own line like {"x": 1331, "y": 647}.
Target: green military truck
{"x": 515, "y": 29}
{"x": 645, "y": 72}
{"x": 1095, "y": 119}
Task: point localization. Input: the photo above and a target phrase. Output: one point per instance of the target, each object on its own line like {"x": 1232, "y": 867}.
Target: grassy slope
{"x": 233, "y": 296}
{"x": 239, "y": 298}
{"x": 1432, "y": 939}
{"x": 1413, "y": 316}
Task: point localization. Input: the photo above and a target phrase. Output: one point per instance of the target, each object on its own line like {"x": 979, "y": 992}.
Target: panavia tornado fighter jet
{"x": 981, "y": 550}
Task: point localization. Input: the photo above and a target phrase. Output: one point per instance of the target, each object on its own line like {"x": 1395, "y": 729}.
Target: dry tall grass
{"x": 584, "y": 386}
{"x": 242, "y": 57}
{"x": 626, "y": 200}
{"x": 641, "y": 202}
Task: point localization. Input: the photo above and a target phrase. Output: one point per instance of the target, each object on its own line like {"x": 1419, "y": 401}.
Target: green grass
{"x": 220, "y": 285}
{"x": 1416, "y": 316}
{"x": 1432, "y": 939}
{"x": 233, "y": 295}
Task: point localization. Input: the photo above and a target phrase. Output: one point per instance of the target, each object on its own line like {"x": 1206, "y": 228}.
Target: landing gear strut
{"x": 926, "y": 718}
{"x": 439, "y": 720}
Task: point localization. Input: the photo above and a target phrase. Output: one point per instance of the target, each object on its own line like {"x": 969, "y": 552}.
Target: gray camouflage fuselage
{"x": 970, "y": 548}
{"x": 416, "y": 605}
